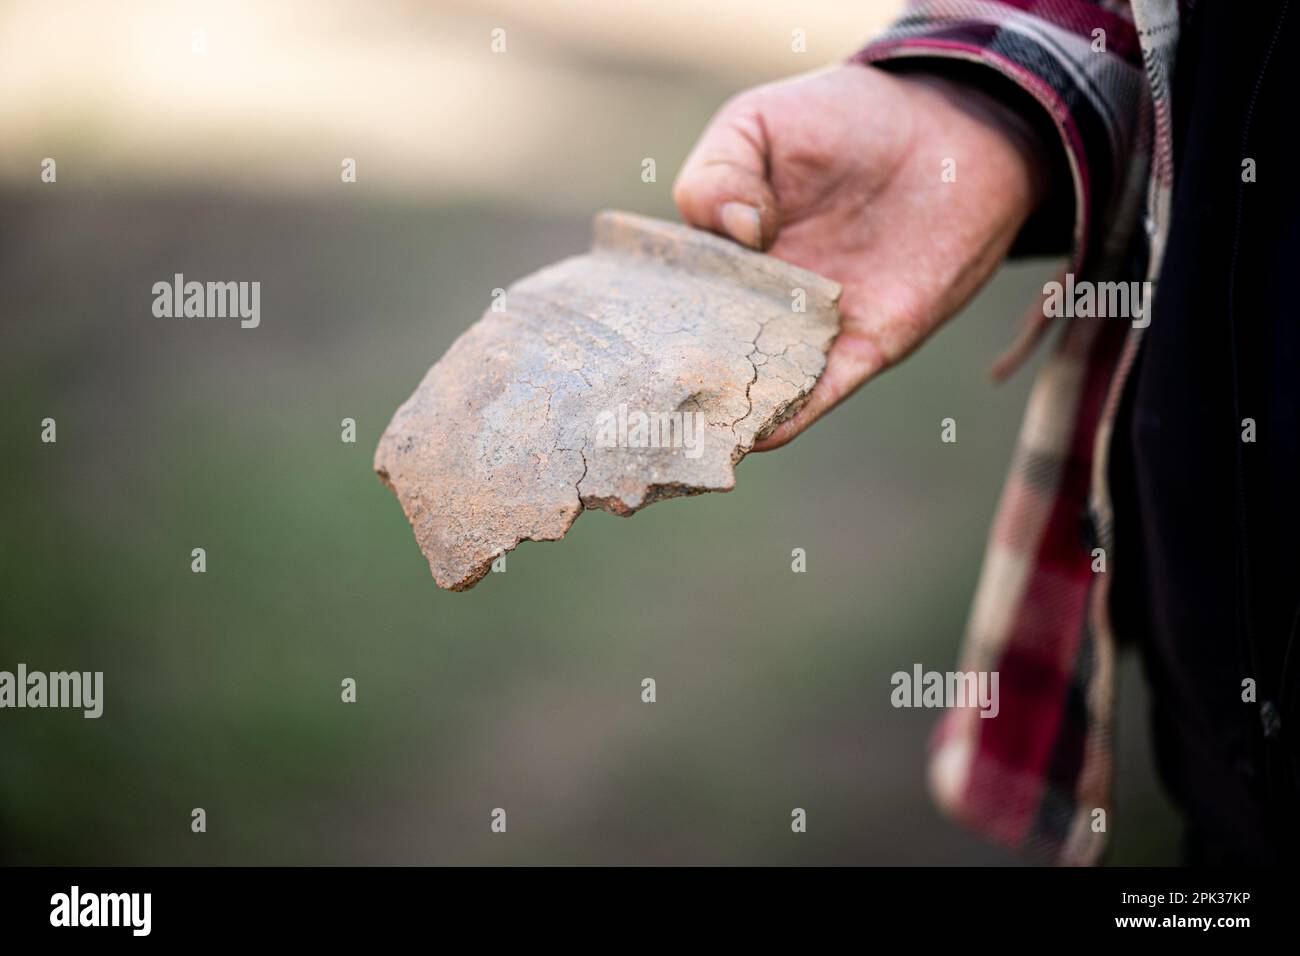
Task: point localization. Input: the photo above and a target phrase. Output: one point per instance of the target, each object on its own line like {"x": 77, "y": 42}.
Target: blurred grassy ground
{"x": 222, "y": 690}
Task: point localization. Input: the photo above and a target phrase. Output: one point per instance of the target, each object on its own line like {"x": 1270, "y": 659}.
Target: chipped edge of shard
{"x": 654, "y": 242}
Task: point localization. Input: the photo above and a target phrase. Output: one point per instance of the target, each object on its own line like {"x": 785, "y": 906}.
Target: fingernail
{"x": 742, "y": 223}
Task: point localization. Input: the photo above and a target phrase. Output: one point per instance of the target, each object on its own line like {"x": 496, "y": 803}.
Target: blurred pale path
{"x": 222, "y": 689}
{"x": 410, "y": 89}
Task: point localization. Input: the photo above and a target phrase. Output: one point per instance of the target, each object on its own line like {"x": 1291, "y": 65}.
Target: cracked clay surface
{"x": 523, "y": 424}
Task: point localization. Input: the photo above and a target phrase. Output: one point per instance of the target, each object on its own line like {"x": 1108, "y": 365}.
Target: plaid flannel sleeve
{"x": 1035, "y": 777}
{"x": 1081, "y": 61}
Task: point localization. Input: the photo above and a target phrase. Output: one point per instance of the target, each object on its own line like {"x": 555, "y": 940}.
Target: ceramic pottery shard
{"x": 645, "y": 369}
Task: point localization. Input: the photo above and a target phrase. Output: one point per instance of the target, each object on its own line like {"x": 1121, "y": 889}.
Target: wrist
{"x": 1038, "y": 161}
{"x": 1032, "y": 159}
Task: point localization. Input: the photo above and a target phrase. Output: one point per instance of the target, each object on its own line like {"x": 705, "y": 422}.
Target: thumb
{"x": 723, "y": 184}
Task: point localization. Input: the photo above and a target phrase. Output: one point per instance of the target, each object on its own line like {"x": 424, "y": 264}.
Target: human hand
{"x": 842, "y": 172}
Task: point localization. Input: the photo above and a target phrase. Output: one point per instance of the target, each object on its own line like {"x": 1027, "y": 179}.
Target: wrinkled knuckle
{"x": 746, "y": 101}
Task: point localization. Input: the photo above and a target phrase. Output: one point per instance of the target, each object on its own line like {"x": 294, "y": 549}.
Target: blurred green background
{"x": 222, "y": 690}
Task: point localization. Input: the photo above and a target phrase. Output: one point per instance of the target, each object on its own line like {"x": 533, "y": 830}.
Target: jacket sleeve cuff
{"x": 1080, "y": 97}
